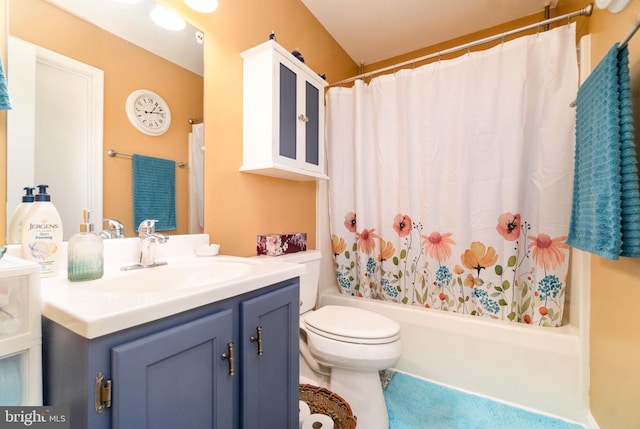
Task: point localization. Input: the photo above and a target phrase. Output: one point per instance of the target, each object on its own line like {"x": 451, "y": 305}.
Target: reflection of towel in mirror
{"x": 154, "y": 191}
{"x": 5, "y": 103}
{"x": 605, "y": 218}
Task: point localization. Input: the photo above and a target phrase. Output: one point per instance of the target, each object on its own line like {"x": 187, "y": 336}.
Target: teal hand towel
{"x": 5, "y": 102}
{"x": 154, "y": 191}
{"x": 605, "y": 215}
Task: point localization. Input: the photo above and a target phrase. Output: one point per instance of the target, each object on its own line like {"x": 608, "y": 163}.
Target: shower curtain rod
{"x": 585, "y": 11}
{"x": 112, "y": 153}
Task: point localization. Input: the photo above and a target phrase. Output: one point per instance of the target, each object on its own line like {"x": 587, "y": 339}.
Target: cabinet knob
{"x": 229, "y": 356}
{"x": 258, "y": 338}
{"x": 303, "y": 118}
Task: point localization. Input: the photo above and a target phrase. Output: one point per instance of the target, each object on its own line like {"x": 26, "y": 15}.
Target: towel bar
{"x": 112, "y": 153}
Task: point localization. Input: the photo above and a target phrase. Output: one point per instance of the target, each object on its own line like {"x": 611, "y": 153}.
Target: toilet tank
{"x": 310, "y": 280}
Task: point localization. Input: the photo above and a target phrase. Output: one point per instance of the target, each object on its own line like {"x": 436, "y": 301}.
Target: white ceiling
{"x": 368, "y": 30}
{"x": 375, "y": 30}
{"x": 133, "y": 23}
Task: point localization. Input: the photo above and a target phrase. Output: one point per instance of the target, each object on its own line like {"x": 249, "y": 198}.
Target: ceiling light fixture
{"x": 204, "y": 6}
{"x": 167, "y": 19}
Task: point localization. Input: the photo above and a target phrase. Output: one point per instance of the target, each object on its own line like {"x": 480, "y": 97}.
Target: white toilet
{"x": 343, "y": 348}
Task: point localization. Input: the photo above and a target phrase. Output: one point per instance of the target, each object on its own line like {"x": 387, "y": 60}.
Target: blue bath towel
{"x": 154, "y": 191}
{"x": 605, "y": 216}
{"x": 5, "y": 102}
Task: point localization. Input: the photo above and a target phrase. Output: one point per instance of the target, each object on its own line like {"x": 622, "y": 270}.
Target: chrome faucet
{"x": 149, "y": 239}
{"x": 113, "y": 229}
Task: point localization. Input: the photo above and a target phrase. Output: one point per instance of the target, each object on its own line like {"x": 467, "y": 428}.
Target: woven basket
{"x": 324, "y": 401}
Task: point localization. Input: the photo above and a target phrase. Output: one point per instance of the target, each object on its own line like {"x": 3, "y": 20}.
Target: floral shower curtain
{"x": 451, "y": 183}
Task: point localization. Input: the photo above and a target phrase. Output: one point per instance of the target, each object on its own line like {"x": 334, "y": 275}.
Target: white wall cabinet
{"x": 283, "y": 115}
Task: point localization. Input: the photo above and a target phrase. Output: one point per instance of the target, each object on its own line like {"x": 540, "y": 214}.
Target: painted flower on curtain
{"x": 344, "y": 258}
{"x": 509, "y": 226}
{"x": 523, "y": 284}
{"x": 387, "y": 252}
{"x": 366, "y": 262}
{"x": 549, "y": 253}
{"x": 436, "y": 246}
{"x": 406, "y": 271}
{"x": 350, "y": 221}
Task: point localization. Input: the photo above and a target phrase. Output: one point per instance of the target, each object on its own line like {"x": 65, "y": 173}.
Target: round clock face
{"x": 148, "y": 112}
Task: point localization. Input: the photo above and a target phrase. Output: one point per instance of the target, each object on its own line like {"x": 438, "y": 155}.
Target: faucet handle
{"x": 112, "y": 228}
{"x": 146, "y": 227}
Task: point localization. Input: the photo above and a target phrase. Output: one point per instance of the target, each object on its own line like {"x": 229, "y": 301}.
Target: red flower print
{"x": 350, "y": 221}
{"x": 366, "y": 240}
{"x": 548, "y": 252}
{"x": 402, "y": 224}
{"x": 438, "y": 246}
{"x": 509, "y": 226}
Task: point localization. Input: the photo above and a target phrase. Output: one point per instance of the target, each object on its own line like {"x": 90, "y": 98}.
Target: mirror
{"x": 74, "y": 77}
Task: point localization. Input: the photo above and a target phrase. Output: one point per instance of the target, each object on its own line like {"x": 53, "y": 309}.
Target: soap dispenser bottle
{"x": 18, "y": 216}
{"x": 85, "y": 253}
{"x": 41, "y": 234}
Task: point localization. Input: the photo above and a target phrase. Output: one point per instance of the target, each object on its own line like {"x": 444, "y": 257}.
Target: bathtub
{"x": 528, "y": 366}
{"x": 542, "y": 369}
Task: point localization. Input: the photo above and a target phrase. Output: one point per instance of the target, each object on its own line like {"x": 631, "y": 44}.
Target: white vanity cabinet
{"x": 283, "y": 115}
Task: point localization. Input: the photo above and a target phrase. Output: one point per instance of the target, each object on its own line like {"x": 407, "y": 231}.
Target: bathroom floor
{"x": 414, "y": 403}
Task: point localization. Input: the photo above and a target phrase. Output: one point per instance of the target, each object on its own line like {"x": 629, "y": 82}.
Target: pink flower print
{"x": 438, "y": 246}
{"x": 548, "y": 252}
{"x": 350, "y": 221}
{"x": 509, "y": 226}
{"x": 402, "y": 224}
{"x": 366, "y": 240}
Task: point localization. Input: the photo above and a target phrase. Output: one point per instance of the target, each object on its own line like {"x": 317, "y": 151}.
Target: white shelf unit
{"x": 20, "y": 333}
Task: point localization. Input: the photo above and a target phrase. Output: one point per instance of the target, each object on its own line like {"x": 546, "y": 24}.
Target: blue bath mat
{"x": 415, "y": 403}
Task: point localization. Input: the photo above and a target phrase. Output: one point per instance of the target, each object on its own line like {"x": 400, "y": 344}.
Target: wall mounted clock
{"x": 148, "y": 112}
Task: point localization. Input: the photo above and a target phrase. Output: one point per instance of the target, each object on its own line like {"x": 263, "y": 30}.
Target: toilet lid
{"x": 352, "y": 324}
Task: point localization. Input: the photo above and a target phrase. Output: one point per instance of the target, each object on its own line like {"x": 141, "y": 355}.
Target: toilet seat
{"x": 352, "y": 325}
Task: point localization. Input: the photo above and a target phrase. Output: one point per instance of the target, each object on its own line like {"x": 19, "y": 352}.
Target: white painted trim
{"x": 591, "y": 422}
{"x": 94, "y": 79}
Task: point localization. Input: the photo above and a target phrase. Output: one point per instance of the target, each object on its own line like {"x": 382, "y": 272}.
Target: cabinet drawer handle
{"x": 258, "y": 338}
{"x": 303, "y": 118}
{"x": 229, "y": 356}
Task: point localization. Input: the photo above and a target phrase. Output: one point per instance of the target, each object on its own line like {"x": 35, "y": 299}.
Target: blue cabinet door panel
{"x": 175, "y": 378}
{"x": 270, "y": 381}
{"x": 312, "y": 130}
{"x": 288, "y": 109}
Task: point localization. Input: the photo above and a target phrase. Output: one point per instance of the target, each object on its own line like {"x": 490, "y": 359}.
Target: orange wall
{"x": 126, "y": 68}
{"x": 239, "y": 206}
{"x": 615, "y": 285}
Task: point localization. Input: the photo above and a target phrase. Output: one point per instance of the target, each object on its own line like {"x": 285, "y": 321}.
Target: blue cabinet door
{"x": 175, "y": 378}
{"x": 270, "y": 366}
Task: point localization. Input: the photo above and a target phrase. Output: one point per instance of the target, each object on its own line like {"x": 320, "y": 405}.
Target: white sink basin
{"x": 177, "y": 276}
{"x": 123, "y": 299}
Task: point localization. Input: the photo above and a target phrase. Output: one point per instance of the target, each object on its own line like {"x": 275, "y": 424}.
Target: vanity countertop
{"x": 123, "y": 299}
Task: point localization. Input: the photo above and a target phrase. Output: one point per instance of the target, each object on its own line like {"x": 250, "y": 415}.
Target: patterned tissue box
{"x": 280, "y": 244}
